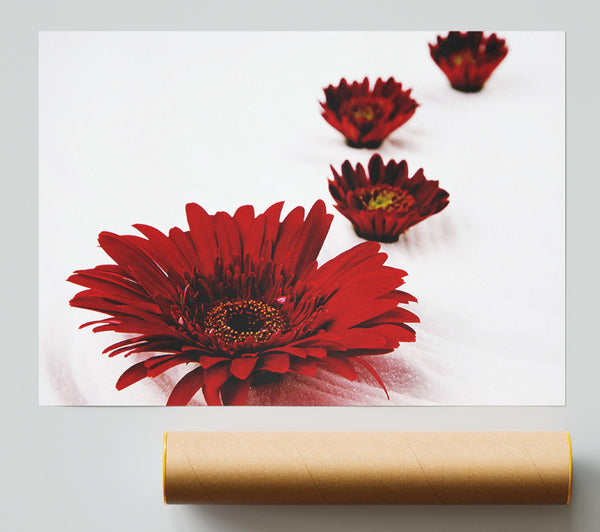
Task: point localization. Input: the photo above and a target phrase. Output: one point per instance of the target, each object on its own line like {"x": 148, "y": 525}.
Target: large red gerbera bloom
{"x": 468, "y": 59}
{"x": 241, "y": 299}
{"x": 385, "y": 203}
{"x": 366, "y": 117}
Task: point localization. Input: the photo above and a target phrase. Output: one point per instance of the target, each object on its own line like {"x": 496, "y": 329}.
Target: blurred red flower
{"x": 366, "y": 117}
{"x": 241, "y": 299}
{"x": 468, "y": 59}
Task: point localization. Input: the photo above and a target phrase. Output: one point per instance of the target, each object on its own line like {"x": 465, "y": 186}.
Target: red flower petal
{"x": 342, "y": 366}
{"x": 243, "y": 218}
{"x": 287, "y": 235}
{"x": 160, "y": 367}
{"x": 304, "y": 352}
{"x": 235, "y": 392}
{"x": 166, "y": 253}
{"x": 142, "y": 267}
{"x": 184, "y": 244}
{"x": 372, "y": 371}
{"x": 131, "y": 375}
{"x": 275, "y": 362}
{"x": 186, "y": 388}
{"x": 227, "y": 236}
{"x": 109, "y": 283}
{"x": 214, "y": 378}
{"x": 242, "y": 367}
{"x": 208, "y": 361}
{"x": 271, "y": 216}
{"x": 203, "y": 235}
{"x": 361, "y": 259}
{"x": 310, "y": 241}
{"x": 303, "y": 367}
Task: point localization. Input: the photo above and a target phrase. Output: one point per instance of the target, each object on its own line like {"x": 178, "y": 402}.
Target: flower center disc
{"x": 386, "y": 197}
{"x": 464, "y": 56}
{"x": 365, "y": 112}
{"x": 234, "y": 321}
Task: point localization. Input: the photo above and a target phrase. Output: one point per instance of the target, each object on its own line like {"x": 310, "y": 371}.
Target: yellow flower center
{"x": 386, "y": 197}
{"x": 365, "y": 112}
{"x": 234, "y": 321}
{"x": 464, "y": 56}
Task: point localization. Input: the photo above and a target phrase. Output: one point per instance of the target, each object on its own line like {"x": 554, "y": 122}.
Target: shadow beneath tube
{"x": 382, "y": 518}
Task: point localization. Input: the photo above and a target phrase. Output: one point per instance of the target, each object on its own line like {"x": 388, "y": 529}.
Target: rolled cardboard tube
{"x": 367, "y": 467}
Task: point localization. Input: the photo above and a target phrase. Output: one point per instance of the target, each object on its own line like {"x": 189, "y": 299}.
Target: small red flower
{"x": 241, "y": 299}
{"x": 367, "y": 117}
{"x": 468, "y": 59}
{"x": 384, "y": 204}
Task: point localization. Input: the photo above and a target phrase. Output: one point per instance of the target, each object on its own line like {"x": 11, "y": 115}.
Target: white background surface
{"x": 97, "y": 469}
{"x": 135, "y": 125}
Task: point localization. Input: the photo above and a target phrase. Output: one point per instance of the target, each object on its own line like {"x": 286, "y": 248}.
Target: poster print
{"x": 302, "y": 218}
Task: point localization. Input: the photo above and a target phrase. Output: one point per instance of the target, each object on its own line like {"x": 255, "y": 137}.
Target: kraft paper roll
{"x": 367, "y": 467}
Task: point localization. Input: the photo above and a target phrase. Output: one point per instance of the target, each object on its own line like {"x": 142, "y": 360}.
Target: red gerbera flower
{"x": 241, "y": 298}
{"x": 385, "y": 203}
{"x": 367, "y": 117}
{"x": 468, "y": 59}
